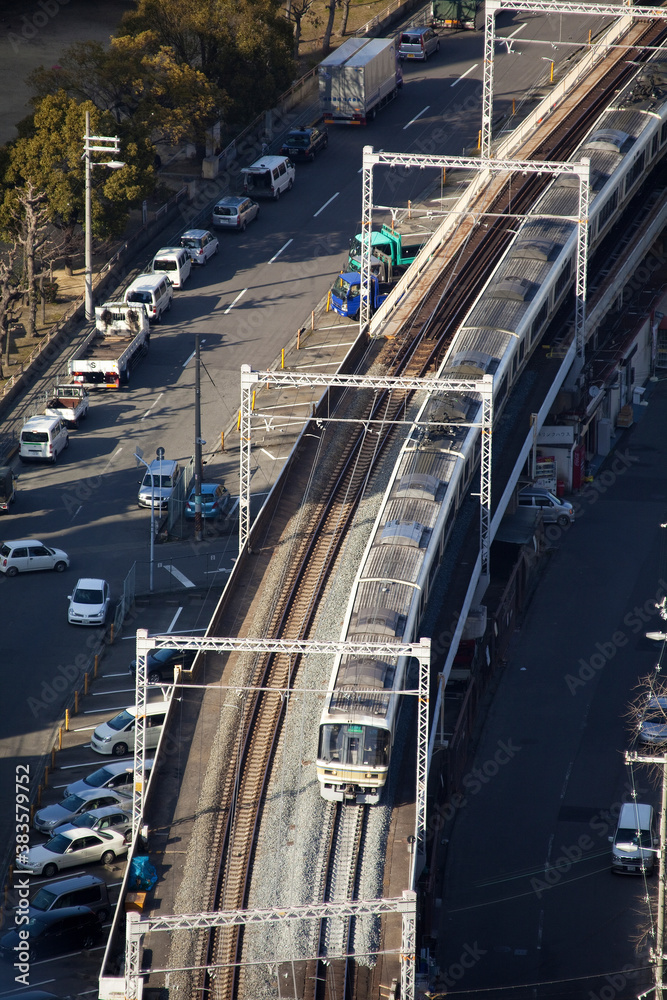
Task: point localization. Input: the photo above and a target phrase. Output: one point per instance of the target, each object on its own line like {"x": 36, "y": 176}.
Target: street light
{"x": 112, "y": 146}
{"x": 160, "y": 454}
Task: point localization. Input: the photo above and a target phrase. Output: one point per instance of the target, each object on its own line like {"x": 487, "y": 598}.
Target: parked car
{"x": 304, "y": 143}
{"x": 234, "y": 213}
{"x": 213, "y": 499}
{"x": 47, "y": 819}
{"x": 27, "y": 554}
{"x": 554, "y": 510}
{"x": 7, "y": 488}
{"x": 158, "y": 483}
{"x": 68, "y": 850}
{"x": 118, "y": 776}
{"x": 89, "y": 604}
{"x": 54, "y": 933}
{"x": 200, "y": 244}
{"x": 116, "y": 818}
{"x": 418, "y": 42}
{"x": 117, "y": 735}
{"x": 653, "y": 725}
{"x": 160, "y": 664}
{"x": 73, "y": 890}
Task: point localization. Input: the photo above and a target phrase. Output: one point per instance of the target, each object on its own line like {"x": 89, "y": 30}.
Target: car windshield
{"x": 164, "y": 482}
{"x": 85, "y": 819}
{"x": 120, "y": 721}
{"x": 341, "y": 288}
{"x": 43, "y": 899}
{"x": 72, "y": 803}
{"x": 635, "y": 838}
{"x": 99, "y": 777}
{"x": 298, "y": 139}
{"x": 58, "y": 844}
{"x": 82, "y": 595}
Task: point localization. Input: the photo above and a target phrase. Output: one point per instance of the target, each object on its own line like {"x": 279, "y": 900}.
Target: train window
{"x": 654, "y": 145}
{"x": 663, "y": 133}
{"x": 562, "y": 280}
{"x": 539, "y": 321}
{"x": 522, "y": 350}
{"x": 502, "y": 392}
{"x": 607, "y": 209}
{"x": 636, "y": 170}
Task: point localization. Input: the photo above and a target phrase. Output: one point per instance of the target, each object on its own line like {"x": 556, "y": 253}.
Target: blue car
{"x": 213, "y": 500}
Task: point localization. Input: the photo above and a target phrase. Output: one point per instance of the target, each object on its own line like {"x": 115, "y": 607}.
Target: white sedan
{"x": 89, "y": 604}
{"x": 72, "y": 848}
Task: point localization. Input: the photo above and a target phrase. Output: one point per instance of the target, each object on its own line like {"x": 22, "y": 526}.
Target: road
{"x": 527, "y": 892}
{"x": 246, "y": 305}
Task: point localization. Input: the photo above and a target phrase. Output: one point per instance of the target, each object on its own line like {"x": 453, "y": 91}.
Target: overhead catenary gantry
{"x": 251, "y": 381}
{"x": 541, "y": 7}
{"x": 581, "y": 169}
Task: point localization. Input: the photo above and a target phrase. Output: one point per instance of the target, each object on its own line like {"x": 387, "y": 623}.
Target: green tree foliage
{"x": 50, "y": 159}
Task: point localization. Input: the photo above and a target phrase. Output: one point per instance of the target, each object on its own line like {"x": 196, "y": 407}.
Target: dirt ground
{"x": 35, "y": 33}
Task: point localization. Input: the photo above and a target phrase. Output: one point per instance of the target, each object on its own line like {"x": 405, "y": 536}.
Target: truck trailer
{"x": 116, "y": 343}
{"x": 456, "y": 14}
{"x": 357, "y": 79}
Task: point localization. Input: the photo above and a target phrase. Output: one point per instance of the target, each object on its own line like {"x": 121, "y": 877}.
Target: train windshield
{"x": 348, "y": 744}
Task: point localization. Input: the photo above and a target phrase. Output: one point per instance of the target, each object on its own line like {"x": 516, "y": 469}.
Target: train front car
{"x": 356, "y": 731}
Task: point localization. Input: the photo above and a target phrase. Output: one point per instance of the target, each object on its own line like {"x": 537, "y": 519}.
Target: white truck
{"x": 70, "y": 402}
{"x": 117, "y": 342}
{"x": 357, "y": 79}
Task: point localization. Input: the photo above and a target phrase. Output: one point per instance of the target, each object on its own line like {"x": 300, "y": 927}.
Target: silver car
{"x": 114, "y": 818}
{"x": 653, "y": 725}
{"x": 47, "y": 819}
{"x": 234, "y": 212}
{"x": 118, "y": 776}
{"x": 200, "y": 244}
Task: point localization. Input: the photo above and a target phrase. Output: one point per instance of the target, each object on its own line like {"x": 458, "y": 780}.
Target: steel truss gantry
{"x": 581, "y": 169}
{"x": 251, "y": 381}
{"x": 540, "y": 7}
{"x": 406, "y": 905}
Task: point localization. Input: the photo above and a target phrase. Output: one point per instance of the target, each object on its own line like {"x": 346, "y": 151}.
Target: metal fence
{"x": 126, "y": 602}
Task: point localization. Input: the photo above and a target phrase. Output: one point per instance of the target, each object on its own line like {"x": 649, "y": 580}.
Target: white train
{"x": 430, "y": 479}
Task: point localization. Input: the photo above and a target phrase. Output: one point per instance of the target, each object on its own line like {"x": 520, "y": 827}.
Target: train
{"x": 430, "y": 480}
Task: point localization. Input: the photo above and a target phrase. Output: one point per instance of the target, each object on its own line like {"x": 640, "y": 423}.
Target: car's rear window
{"x": 38, "y": 437}
{"x": 225, "y": 210}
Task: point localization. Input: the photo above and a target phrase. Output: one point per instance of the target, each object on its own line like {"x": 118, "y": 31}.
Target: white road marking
{"x": 174, "y": 620}
{"x": 283, "y": 247}
{"x": 114, "y": 456}
{"x": 210, "y": 572}
{"x": 177, "y": 573}
{"x": 186, "y": 363}
{"x": 508, "y": 39}
{"x": 332, "y": 198}
{"x": 464, "y": 75}
{"x": 102, "y": 694}
{"x": 154, "y": 403}
{"x": 268, "y": 454}
{"x": 80, "y": 507}
{"x": 232, "y": 304}
{"x": 413, "y": 120}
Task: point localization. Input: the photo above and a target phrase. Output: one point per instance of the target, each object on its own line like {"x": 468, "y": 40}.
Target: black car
{"x": 160, "y": 664}
{"x": 304, "y": 143}
{"x": 53, "y": 933}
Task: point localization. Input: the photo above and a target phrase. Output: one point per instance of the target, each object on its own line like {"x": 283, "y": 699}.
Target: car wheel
{"x": 128, "y": 835}
{"x": 291, "y": 182}
{"x": 67, "y": 443}
{"x": 437, "y": 48}
{"x": 120, "y": 749}
{"x": 108, "y": 858}
{"x": 89, "y": 941}
{"x": 12, "y": 571}
{"x": 54, "y": 458}
{"x": 155, "y": 677}
{"x": 312, "y": 157}
{"x": 244, "y": 226}
{"x": 563, "y": 520}
{"x": 48, "y": 871}
{"x": 205, "y": 262}
{"x": 60, "y": 567}
{"x": 257, "y": 213}
{"x": 276, "y": 196}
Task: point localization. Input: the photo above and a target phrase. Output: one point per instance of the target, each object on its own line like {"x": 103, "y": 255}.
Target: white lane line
{"x": 268, "y": 454}
{"x": 423, "y": 110}
{"x": 177, "y": 574}
{"x": 210, "y": 572}
{"x": 154, "y": 403}
{"x": 80, "y": 507}
{"x": 232, "y": 304}
{"x": 332, "y": 198}
{"x": 284, "y": 247}
{"x": 509, "y": 39}
{"x": 174, "y": 620}
{"x": 113, "y": 457}
{"x": 464, "y": 75}
{"x": 187, "y": 362}
{"x": 103, "y": 694}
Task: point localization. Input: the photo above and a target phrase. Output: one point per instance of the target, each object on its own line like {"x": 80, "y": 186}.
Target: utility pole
{"x": 659, "y": 950}
{"x": 198, "y": 443}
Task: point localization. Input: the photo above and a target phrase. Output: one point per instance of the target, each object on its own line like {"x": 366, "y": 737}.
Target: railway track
{"x": 312, "y": 558}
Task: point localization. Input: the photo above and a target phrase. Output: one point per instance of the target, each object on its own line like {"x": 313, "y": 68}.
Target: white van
{"x": 158, "y": 483}
{"x": 154, "y": 292}
{"x": 635, "y": 840}
{"x": 268, "y": 177}
{"x": 42, "y": 439}
{"x": 117, "y": 735}
{"x": 175, "y": 262}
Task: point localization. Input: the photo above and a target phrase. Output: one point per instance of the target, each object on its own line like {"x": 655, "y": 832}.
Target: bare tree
{"x": 298, "y": 11}
{"x": 9, "y": 293}
{"x": 345, "y": 5}
{"x": 31, "y": 233}
{"x": 331, "y": 7}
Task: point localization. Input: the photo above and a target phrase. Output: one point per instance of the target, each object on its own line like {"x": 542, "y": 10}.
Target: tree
{"x": 9, "y": 293}
{"x": 298, "y": 11}
{"x": 51, "y": 160}
{"x": 31, "y": 233}
{"x": 331, "y": 7}
{"x": 342, "y": 31}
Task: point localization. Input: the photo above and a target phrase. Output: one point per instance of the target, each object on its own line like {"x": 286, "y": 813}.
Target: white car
{"x": 28, "y": 554}
{"x": 70, "y": 849}
{"x": 89, "y": 604}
